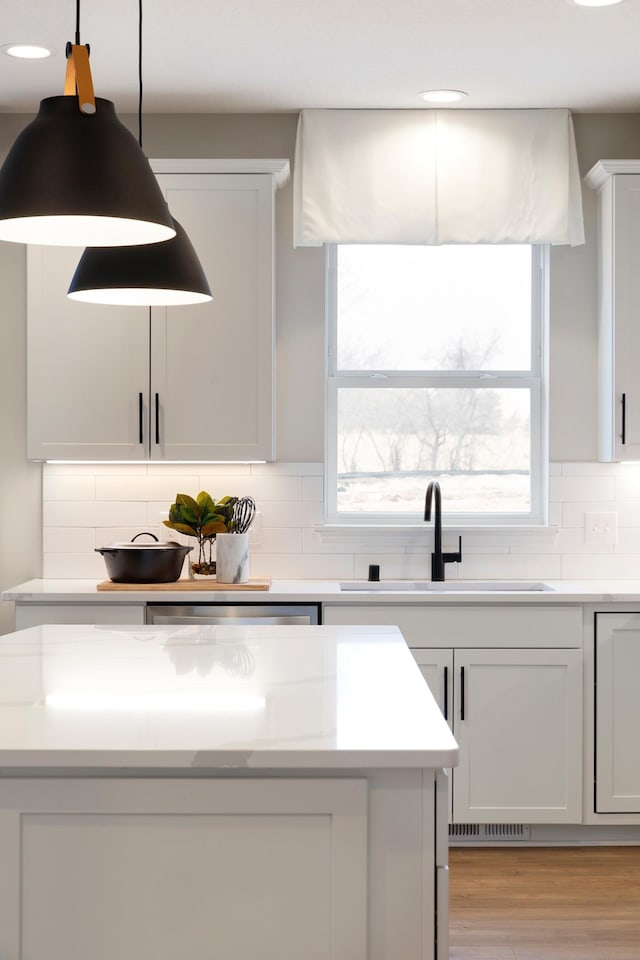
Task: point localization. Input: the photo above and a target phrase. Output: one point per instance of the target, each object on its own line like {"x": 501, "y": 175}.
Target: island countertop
{"x": 215, "y": 698}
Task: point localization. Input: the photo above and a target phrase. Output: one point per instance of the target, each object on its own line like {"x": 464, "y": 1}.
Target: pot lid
{"x": 156, "y": 545}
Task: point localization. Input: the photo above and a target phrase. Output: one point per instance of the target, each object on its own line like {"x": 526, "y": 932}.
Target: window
{"x": 436, "y": 371}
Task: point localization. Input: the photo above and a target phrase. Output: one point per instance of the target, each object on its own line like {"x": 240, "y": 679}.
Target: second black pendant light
{"x": 155, "y": 274}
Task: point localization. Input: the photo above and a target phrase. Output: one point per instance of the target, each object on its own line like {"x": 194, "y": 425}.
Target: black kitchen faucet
{"x": 438, "y": 558}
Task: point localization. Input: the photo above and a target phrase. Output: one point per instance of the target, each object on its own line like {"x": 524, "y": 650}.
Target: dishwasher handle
{"x": 232, "y": 621}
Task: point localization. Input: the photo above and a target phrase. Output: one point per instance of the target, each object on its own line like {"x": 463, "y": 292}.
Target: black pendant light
{"x": 76, "y": 176}
{"x": 153, "y": 274}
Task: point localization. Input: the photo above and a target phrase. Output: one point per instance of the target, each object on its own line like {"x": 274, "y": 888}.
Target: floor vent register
{"x": 459, "y": 832}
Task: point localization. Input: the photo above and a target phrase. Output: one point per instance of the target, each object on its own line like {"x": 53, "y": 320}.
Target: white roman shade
{"x": 436, "y": 176}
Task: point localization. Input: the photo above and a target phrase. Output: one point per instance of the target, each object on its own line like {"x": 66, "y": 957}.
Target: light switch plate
{"x": 601, "y": 528}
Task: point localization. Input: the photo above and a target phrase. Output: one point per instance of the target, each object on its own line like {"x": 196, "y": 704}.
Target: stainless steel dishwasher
{"x": 239, "y": 613}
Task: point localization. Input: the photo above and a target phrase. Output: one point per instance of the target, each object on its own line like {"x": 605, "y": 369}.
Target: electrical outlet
{"x": 601, "y": 528}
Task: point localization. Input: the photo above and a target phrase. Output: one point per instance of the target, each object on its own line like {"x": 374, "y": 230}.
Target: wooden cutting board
{"x": 209, "y": 584}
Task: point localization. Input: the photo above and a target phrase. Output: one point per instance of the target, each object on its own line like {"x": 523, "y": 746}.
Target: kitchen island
{"x": 234, "y": 793}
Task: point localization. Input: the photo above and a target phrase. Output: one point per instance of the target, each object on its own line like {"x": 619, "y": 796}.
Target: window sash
{"x": 534, "y": 380}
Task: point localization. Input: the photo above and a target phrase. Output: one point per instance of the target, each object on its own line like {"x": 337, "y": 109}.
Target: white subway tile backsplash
{"x": 287, "y": 469}
{"x": 628, "y": 488}
{"x": 555, "y": 514}
{"x": 279, "y": 540}
{"x": 313, "y": 542}
{"x": 611, "y": 567}
{"x": 89, "y": 505}
{"x": 596, "y": 469}
{"x": 313, "y": 488}
{"x": 74, "y": 566}
{"x": 68, "y": 488}
{"x": 146, "y": 487}
{"x": 280, "y": 489}
{"x": 515, "y": 566}
{"x": 581, "y": 488}
{"x": 61, "y": 513}
{"x": 301, "y": 514}
{"x": 68, "y": 540}
{"x": 291, "y": 566}
{"x": 628, "y": 540}
{"x": 221, "y": 470}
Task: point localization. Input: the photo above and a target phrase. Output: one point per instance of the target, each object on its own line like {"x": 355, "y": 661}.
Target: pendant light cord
{"x": 78, "y": 23}
{"x": 139, "y": 73}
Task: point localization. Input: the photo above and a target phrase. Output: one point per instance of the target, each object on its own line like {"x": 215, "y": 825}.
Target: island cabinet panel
{"x": 617, "y": 713}
{"x": 163, "y": 383}
{"x": 514, "y": 708}
{"x": 254, "y": 870}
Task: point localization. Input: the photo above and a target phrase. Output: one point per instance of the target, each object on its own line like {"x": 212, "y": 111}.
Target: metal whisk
{"x": 244, "y": 511}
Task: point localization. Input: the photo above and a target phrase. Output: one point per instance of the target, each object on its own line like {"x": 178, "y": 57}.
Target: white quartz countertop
{"x": 324, "y": 591}
{"x": 210, "y": 698}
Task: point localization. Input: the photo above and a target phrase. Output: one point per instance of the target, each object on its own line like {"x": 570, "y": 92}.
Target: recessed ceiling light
{"x": 443, "y": 96}
{"x": 26, "y": 51}
{"x": 596, "y": 3}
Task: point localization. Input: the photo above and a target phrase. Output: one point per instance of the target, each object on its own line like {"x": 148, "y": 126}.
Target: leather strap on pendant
{"x": 78, "y": 77}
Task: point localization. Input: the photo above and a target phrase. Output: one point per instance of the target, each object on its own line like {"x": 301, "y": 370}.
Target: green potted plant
{"x": 202, "y": 518}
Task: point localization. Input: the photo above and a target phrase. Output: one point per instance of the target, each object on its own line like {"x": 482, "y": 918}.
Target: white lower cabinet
{"x": 516, "y": 711}
{"x": 617, "y": 713}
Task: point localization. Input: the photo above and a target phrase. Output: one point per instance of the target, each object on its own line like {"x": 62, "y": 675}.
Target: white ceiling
{"x": 242, "y": 56}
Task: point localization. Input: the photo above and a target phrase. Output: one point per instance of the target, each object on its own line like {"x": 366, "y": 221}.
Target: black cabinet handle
{"x": 140, "y": 419}
{"x": 445, "y": 708}
{"x": 157, "y": 418}
{"x": 624, "y": 418}
{"x": 462, "y": 693}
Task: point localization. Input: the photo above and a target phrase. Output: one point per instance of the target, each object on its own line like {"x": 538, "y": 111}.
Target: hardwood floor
{"x": 545, "y": 903}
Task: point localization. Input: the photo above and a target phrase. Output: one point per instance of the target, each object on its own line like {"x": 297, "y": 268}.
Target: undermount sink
{"x": 448, "y": 586}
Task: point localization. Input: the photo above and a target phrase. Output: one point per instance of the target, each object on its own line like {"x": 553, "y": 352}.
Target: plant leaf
{"x": 185, "y": 500}
{"x": 205, "y": 503}
{"x": 216, "y": 526}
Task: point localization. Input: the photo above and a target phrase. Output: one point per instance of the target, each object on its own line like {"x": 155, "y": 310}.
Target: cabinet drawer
{"x": 489, "y": 625}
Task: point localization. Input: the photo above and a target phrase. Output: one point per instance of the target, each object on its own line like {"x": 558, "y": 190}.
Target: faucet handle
{"x": 454, "y": 557}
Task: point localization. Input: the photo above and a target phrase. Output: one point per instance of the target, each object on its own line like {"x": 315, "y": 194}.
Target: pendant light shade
{"x": 155, "y": 274}
{"x": 79, "y": 179}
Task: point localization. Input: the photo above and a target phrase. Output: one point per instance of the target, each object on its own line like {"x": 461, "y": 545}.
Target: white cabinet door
{"x": 87, "y": 371}
{"x": 619, "y": 306}
{"x": 220, "y": 868}
{"x": 178, "y": 383}
{"x": 518, "y": 722}
{"x": 617, "y": 760}
{"x": 436, "y": 667}
{"x": 212, "y": 364}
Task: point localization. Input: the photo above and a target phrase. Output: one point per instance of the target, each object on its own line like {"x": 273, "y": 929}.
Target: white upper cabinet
{"x": 618, "y": 185}
{"x": 168, "y": 383}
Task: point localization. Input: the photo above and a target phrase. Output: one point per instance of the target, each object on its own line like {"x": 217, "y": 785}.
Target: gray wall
{"x": 300, "y": 317}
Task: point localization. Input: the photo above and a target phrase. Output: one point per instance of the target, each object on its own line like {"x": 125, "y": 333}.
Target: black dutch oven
{"x": 144, "y": 562}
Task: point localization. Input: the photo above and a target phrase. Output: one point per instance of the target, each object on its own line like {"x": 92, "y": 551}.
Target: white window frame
{"x": 536, "y": 380}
